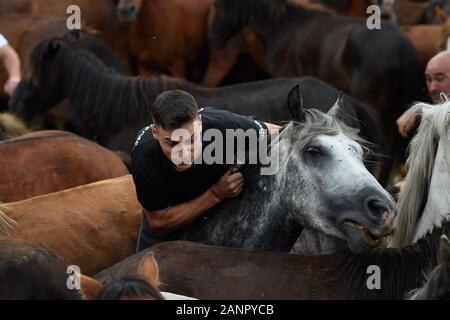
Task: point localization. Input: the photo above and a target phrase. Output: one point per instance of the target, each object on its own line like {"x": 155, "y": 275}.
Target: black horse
{"x": 377, "y": 67}
{"x": 112, "y": 107}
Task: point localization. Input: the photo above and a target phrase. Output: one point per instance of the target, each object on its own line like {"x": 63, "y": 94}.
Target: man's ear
{"x": 154, "y": 131}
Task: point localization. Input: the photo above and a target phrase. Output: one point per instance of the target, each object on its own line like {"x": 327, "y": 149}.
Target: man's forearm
{"x": 11, "y": 61}
{"x": 183, "y": 214}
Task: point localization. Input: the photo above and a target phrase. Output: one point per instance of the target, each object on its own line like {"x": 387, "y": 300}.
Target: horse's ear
{"x": 55, "y": 45}
{"x": 441, "y": 14}
{"x": 149, "y": 270}
{"x": 90, "y": 287}
{"x": 295, "y": 104}
{"x": 336, "y": 110}
{"x": 444, "y": 251}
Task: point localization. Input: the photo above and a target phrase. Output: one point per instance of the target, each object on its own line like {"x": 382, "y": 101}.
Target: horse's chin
{"x": 359, "y": 238}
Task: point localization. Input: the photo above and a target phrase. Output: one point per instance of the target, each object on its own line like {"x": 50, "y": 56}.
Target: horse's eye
{"x": 313, "y": 150}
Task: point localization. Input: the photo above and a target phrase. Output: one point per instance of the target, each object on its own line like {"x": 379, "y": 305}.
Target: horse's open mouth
{"x": 370, "y": 238}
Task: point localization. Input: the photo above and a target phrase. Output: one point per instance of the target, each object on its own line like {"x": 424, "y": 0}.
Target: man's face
{"x": 181, "y": 146}
{"x": 437, "y": 76}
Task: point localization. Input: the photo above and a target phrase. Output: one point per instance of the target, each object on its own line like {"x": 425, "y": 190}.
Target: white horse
{"x": 425, "y": 199}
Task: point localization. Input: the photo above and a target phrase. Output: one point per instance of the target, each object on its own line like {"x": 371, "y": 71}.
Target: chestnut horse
{"x": 49, "y": 161}
{"x": 91, "y": 226}
{"x": 166, "y": 36}
{"x": 219, "y": 273}
{"x": 99, "y": 15}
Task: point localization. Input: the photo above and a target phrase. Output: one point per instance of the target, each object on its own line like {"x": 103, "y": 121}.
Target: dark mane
{"x": 402, "y": 270}
{"x": 96, "y": 93}
{"x": 263, "y": 11}
{"x": 335, "y": 4}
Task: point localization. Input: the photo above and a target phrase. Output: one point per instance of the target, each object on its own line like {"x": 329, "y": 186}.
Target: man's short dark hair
{"x": 174, "y": 108}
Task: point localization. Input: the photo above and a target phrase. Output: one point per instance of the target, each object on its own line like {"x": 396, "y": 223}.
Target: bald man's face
{"x": 437, "y": 76}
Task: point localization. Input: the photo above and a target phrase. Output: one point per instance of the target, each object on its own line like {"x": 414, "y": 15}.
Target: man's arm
{"x": 173, "y": 218}
{"x": 176, "y": 217}
{"x": 406, "y": 122}
{"x": 11, "y": 62}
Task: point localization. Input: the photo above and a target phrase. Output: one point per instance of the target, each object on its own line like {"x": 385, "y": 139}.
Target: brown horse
{"x": 91, "y": 226}
{"x": 49, "y": 161}
{"x": 166, "y": 36}
{"x": 30, "y": 272}
{"x": 221, "y": 273}
{"x": 99, "y": 15}
{"x": 24, "y": 32}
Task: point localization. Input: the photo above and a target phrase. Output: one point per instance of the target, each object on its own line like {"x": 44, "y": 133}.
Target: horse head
{"x": 128, "y": 10}
{"x": 326, "y": 185}
{"x": 39, "y": 90}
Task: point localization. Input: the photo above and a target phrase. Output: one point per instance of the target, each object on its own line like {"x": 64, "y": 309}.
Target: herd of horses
{"x": 310, "y": 231}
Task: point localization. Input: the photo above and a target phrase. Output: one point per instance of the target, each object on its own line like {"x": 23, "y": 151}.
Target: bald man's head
{"x": 437, "y": 75}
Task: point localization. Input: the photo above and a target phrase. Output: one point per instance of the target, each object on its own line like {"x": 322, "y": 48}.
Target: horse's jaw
{"x": 438, "y": 203}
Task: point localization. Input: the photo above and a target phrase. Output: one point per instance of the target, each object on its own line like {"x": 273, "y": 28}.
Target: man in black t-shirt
{"x": 175, "y": 181}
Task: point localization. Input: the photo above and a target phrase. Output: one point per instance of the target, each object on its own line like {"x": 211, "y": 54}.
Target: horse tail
{"x": 6, "y": 223}
{"x": 11, "y": 126}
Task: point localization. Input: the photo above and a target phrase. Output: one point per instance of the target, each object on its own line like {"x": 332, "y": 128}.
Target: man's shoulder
{"x": 145, "y": 144}
{"x": 218, "y": 118}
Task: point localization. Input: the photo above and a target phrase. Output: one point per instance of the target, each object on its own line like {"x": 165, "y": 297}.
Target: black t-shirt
{"x": 159, "y": 185}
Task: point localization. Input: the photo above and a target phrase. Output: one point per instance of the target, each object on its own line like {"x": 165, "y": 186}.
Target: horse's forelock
{"x": 318, "y": 123}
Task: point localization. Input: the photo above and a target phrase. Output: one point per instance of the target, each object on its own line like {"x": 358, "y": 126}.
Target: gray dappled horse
{"x": 321, "y": 183}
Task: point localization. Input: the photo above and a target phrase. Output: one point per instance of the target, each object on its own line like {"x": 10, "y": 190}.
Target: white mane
{"x": 431, "y": 135}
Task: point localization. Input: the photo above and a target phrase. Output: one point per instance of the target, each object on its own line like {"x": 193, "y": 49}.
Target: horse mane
{"x": 319, "y": 123}
{"x": 316, "y": 123}
{"x": 420, "y": 164}
{"x": 406, "y": 267}
{"x": 341, "y": 5}
{"x": 97, "y": 94}
{"x": 242, "y": 12}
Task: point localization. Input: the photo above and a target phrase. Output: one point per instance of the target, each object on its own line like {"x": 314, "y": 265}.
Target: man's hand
{"x": 11, "y": 85}
{"x": 229, "y": 186}
{"x": 407, "y": 120}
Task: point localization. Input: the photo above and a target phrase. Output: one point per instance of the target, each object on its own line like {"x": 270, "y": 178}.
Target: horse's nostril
{"x": 377, "y": 207}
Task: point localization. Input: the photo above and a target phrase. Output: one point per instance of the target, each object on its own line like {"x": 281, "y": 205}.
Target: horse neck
{"x": 268, "y": 223}
{"x": 438, "y": 202}
{"x": 268, "y": 219}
